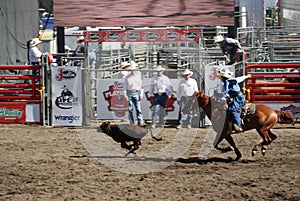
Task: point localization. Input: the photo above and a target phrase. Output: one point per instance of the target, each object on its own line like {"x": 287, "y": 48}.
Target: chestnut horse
{"x": 263, "y": 119}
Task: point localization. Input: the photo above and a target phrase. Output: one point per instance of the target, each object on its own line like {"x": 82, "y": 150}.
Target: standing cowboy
{"x": 229, "y": 46}
{"x": 232, "y": 92}
{"x": 160, "y": 88}
{"x": 35, "y": 54}
{"x": 80, "y": 46}
{"x": 134, "y": 93}
{"x": 186, "y": 89}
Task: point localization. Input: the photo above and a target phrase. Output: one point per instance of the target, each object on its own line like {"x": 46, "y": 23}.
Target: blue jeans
{"x": 159, "y": 104}
{"x": 134, "y": 100}
{"x": 35, "y": 72}
{"x": 236, "y": 104}
{"x": 183, "y": 101}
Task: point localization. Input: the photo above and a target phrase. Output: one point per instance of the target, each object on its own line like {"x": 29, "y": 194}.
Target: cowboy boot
{"x": 237, "y": 128}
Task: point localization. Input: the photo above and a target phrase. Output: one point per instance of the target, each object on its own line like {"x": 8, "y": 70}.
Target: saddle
{"x": 248, "y": 109}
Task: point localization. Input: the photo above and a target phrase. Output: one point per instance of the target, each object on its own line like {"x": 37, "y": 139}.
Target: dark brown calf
{"x": 124, "y": 133}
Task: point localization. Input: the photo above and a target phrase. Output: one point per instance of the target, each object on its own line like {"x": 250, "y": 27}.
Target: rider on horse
{"x": 232, "y": 93}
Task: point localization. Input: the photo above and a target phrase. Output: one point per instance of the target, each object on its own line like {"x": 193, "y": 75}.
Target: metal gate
{"x": 273, "y": 82}
{"x": 20, "y": 94}
{"x": 175, "y": 49}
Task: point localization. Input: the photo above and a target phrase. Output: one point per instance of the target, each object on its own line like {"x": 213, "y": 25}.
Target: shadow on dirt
{"x": 212, "y": 160}
{"x": 179, "y": 160}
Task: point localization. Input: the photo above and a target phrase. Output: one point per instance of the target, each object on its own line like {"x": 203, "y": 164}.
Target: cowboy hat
{"x": 159, "y": 68}
{"x": 187, "y": 72}
{"x": 224, "y": 73}
{"x": 79, "y": 39}
{"x": 218, "y": 38}
{"x": 133, "y": 65}
{"x": 35, "y": 42}
{"x": 125, "y": 64}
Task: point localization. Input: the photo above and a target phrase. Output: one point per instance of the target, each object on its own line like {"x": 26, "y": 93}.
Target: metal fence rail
{"x": 273, "y": 44}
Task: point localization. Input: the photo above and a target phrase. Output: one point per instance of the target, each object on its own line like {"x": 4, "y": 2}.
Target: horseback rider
{"x": 232, "y": 93}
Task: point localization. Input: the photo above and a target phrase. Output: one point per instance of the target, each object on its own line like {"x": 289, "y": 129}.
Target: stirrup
{"x": 237, "y": 128}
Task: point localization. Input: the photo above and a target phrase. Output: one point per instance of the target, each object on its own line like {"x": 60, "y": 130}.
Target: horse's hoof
{"x": 225, "y": 149}
{"x": 263, "y": 152}
{"x": 238, "y": 155}
{"x": 238, "y": 158}
{"x": 254, "y": 152}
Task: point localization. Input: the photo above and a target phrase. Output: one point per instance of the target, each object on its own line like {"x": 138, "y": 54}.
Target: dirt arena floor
{"x": 46, "y": 163}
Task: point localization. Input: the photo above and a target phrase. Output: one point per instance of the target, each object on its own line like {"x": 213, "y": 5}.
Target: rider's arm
{"x": 234, "y": 41}
{"x": 241, "y": 78}
{"x": 238, "y": 44}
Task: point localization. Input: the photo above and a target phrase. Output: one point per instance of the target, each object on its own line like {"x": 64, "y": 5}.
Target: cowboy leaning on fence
{"x": 229, "y": 46}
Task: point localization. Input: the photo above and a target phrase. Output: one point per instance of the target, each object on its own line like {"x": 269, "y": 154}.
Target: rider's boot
{"x": 237, "y": 128}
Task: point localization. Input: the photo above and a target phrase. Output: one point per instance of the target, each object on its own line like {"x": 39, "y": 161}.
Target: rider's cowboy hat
{"x": 159, "y": 68}
{"x": 79, "y": 39}
{"x": 125, "y": 64}
{"x": 35, "y": 42}
{"x": 187, "y": 72}
{"x": 218, "y": 38}
{"x": 225, "y": 73}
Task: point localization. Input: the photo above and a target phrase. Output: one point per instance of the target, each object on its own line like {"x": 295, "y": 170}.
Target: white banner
{"x": 66, "y": 96}
{"x": 111, "y": 103}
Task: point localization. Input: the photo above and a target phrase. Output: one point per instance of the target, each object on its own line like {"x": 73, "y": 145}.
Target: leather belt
{"x": 133, "y": 91}
{"x": 160, "y": 94}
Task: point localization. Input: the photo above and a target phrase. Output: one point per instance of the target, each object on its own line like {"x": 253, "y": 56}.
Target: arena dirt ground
{"x": 48, "y": 163}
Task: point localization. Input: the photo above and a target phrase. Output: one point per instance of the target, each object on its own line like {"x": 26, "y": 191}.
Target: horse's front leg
{"x": 230, "y": 140}
{"x": 217, "y": 141}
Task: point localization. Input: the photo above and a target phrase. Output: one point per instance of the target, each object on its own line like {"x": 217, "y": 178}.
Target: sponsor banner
{"x": 19, "y": 112}
{"x": 111, "y": 103}
{"x": 66, "y": 96}
{"x": 12, "y": 112}
{"x": 150, "y": 35}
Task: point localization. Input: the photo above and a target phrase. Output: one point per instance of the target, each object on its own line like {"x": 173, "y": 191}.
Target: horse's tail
{"x": 285, "y": 116}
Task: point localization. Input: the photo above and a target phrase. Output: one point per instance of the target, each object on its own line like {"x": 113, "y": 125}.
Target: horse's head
{"x": 202, "y": 99}
{"x": 199, "y": 99}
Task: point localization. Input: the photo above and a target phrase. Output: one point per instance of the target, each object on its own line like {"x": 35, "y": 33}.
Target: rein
{"x": 206, "y": 103}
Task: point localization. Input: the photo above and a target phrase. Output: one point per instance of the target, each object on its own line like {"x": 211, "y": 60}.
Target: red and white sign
{"x": 19, "y": 112}
{"x": 12, "y": 113}
{"x": 148, "y": 35}
{"x": 111, "y": 103}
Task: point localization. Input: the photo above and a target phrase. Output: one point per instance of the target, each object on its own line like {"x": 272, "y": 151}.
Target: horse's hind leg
{"x": 272, "y": 136}
{"x": 255, "y": 147}
{"x": 266, "y": 140}
{"x": 230, "y": 140}
{"x": 265, "y": 144}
